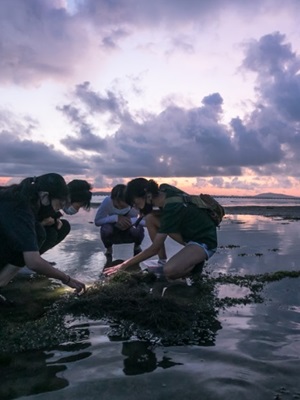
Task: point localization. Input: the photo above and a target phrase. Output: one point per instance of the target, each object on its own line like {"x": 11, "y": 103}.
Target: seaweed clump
{"x": 131, "y": 304}
{"x": 182, "y": 315}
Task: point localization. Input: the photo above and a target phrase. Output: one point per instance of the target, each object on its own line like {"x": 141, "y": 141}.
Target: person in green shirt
{"x": 184, "y": 222}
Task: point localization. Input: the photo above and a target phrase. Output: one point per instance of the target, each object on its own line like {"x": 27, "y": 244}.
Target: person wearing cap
{"x": 118, "y": 222}
{"x": 20, "y": 205}
{"x": 54, "y": 227}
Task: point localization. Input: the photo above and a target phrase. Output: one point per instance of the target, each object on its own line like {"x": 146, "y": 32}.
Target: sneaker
{"x": 137, "y": 249}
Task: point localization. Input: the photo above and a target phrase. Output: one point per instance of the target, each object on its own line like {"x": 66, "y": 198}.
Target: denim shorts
{"x": 209, "y": 252}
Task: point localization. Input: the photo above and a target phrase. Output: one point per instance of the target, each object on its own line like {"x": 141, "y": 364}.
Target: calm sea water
{"x": 255, "y": 354}
{"x": 255, "y": 201}
{"x": 243, "y": 201}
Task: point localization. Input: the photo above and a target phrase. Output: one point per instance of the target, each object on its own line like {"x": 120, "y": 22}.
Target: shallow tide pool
{"x": 255, "y": 353}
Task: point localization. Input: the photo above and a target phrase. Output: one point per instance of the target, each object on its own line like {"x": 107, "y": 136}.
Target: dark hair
{"x": 52, "y": 183}
{"x": 118, "y": 192}
{"x": 138, "y": 187}
{"x": 80, "y": 192}
{"x": 29, "y": 188}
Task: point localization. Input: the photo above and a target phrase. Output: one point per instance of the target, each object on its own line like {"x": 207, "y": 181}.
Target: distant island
{"x": 273, "y": 196}
{"x": 268, "y": 195}
{"x": 260, "y": 196}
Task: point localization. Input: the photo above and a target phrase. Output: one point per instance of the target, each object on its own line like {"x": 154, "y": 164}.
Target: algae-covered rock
{"x": 45, "y": 314}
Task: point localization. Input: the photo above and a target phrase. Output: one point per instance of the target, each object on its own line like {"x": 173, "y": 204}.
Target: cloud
{"x": 46, "y": 40}
{"x": 84, "y": 103}
{"x": 183, "y": 44}
{"x": 110, "y": 41}
{"x": 22, "y": 156}
{"x": 84, "y": 137}
{"x": 168, "y": 13}
{"x": 277, "y": 112}
{"x": 180, "y": 142}
{"x": 54, "y": 40}
{"x": 39, "y": 40}
{"x": 98, "y": 103}
{"x": 278, "y": 73}
{"x": 188, "y": 142}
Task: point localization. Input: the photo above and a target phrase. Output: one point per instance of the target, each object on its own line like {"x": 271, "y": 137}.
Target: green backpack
{"x": 206, "y": 201}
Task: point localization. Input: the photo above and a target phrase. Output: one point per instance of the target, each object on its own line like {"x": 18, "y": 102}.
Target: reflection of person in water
{"x": 141, "y": 359}
{"x": 22, "y": 378}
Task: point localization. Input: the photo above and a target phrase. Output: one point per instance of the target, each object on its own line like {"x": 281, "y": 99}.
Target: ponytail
{"x": 138, "y": 187}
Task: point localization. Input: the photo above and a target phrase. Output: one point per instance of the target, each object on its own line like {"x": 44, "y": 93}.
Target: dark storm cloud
{"x": 196, "y": 141}
{"x": 277, "y": 114}
{"x": 83, "y": 137}
{"x": 145, "y": 13}
{"x": 39, "y": 40}
{"x": 278, "y": 72}
{"x": 23, "y": 155}
{"x": 86, "y": 136}
{"x": 43, "y": 40}
{"x": 177, "y": 142}
{"x": 98, "y": 103}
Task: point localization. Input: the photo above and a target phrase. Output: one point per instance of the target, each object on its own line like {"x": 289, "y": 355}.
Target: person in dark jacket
{"x": 20, "y": 205}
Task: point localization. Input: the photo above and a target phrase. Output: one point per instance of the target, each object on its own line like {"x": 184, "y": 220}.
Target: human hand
{"x": 75, "y": 284}
{"x": 123, "y": 223}
{"x": 112, "y": 270}
{"x": 59, "y": 224}
{"x": 48, "y": 221}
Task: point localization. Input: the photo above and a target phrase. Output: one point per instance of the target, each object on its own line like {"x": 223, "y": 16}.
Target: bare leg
{"x": 182, "y": 263}
{"x": 8, "y": 273}
{"x": 153, "y": 224}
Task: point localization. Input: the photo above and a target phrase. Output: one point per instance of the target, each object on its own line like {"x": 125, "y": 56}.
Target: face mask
{"x": 70, "y": 210}
{"x": 147, "y": 209}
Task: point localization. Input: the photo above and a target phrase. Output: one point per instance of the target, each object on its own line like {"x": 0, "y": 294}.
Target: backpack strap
{"x": 186, "y": 199}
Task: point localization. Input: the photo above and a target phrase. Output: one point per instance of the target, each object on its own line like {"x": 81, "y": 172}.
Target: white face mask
{"x": 70, "y": 210}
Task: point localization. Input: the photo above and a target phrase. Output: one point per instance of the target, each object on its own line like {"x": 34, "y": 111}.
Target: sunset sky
{"x": 203, "y": 94}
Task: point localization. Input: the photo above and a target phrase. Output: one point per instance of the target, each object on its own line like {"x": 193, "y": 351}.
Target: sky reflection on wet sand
{"x": 255, "y": 355}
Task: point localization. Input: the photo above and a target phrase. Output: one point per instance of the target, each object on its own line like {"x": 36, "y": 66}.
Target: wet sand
{"x": 247, "y": 350}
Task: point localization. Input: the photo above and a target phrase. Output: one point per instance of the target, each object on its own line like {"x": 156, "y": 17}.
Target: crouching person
{"x": 57, "y": 228}
{"x": 20, "y": 205}
{"x": 190, "y": 226}
{"x": 117, "y": 222}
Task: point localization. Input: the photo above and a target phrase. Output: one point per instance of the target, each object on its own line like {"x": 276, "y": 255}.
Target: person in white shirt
{"x": 119, "y": 223}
